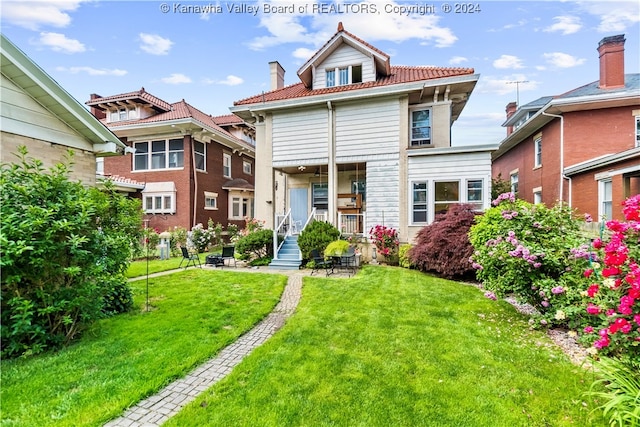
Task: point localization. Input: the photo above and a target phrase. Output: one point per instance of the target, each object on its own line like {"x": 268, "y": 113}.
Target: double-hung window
{"x": 331, "y": 78}
{"x": 474, "y": 193}
{"x": 419, "y": 206}
{"x": 210, "y": 200}
{"x": 246, "y": 167}
{"x": 537, "y": 152}
{"x": 159, "y": 154}
{"x": 514, "y": 182}
{"x": 605, "y": 198}
{"x": 226, "y": 165}
{"x": 200, "y": 155}
{"x": 420, "y": 128}
{"x": 344, "y": 76}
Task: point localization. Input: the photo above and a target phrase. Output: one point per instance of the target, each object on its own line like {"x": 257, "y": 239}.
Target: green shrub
{"x": 336, "y": 248}
{"x": 316, "y": 235}
{"x": 529, "y": 250}
{"x": 258, "y": 244}
{"x": 64, "y": 252}
{"x": 403, "y": 255}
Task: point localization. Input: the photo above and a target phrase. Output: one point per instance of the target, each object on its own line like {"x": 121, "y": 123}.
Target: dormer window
{"x": 344, "y": 75}
{"x": 122, "y": 114}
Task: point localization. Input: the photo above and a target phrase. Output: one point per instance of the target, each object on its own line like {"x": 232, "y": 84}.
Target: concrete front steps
{"x": 288, "y": 256}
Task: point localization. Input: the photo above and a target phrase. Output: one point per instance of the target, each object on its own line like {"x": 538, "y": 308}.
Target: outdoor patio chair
{"x": 319, "y": 262}
{"x": 228, "y": 252}
{"x": 347, "y": 261}
{"x": 191, "y": 258}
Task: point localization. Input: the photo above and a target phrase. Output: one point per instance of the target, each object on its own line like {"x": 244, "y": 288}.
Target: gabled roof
{"x": 179, "y": 113}
{"x": 138, "y": 97}
{"x": 26, "y": 74}
{"x": 342, "y": 36}
{"x": 397, "y": 75}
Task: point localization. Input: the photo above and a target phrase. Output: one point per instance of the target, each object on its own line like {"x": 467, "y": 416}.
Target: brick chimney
{"x": 277, "y": 75}
{"x": 511, "y": 110}
{"x": 611, "y": 51}
{"x": 97, "y": 113}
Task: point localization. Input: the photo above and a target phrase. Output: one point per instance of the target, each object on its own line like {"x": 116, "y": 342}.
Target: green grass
{"x": 121, "y": 360}
{"x": 394, "y": 347}
{"x": 139, "y": 268}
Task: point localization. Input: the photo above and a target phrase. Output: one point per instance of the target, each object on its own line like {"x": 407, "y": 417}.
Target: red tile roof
{"x": 399, "y": 74}
{"x": 228, "y": 119}
{"x": 140, "y": 96}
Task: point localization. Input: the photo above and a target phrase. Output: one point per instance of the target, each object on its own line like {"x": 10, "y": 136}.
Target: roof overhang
{"x": 186, "y": 126}
{"x": 603, "y": 161}
{"x": 23, "y": 72}
{"x": 468, "y": 82}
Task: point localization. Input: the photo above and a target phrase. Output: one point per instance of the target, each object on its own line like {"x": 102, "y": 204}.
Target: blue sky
{"x": 213, "y": 59}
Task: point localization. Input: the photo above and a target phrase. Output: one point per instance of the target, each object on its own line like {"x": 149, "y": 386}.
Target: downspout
{"x": 562, "y": 177}
{"x": 195, "y": 181}
{"x": 331, "y": 184}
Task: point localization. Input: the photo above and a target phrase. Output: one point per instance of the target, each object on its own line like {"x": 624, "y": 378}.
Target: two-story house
{"x": 360, "y": 142}
{"x": 39, "y": 114}
{"x": 191, "y": 169}
{"x": 581, "y": 147}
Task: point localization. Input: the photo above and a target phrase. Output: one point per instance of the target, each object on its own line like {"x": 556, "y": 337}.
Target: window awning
{"x": 160, "y": 187}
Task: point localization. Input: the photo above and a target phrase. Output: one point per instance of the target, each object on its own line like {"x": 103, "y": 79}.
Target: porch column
{"x": 264, "y": 192}
{"x": 332, "y": 168}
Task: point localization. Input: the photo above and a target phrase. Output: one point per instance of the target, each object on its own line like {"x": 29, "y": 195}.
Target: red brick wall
{"x": 587, "y": 135}
{"x": 212, "y": 181}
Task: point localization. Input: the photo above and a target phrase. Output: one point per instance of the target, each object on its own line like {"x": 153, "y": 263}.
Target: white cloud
{"x": 563, "y": 60}
{"x": 176, "y": 79}
{"x": 506, "y": 84}
{"x": 368, "y": 20}
{"x": 155, "y": 44}
{"x": 231, "y": 80}
{"x": 508, "y": 61}
{"x": 60, "y": 43}
{"x": 615, "y": 16}
{"x": 94, "y": 71}
{"x": 35, "y": 14}
{"x": 303, "y": 53}
{"x": 565, "y": 24}
{"x": 457, "y": 60}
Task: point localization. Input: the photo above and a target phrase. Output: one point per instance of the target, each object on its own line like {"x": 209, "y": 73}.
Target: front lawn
{"x": 394, "y": 347}
{"x": 139, "y": 268}
{"x": 121, "y": 360}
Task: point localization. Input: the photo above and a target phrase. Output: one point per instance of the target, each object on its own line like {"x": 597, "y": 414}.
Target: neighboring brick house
{"x": 192, "y": 168}
{"x": 39, "y": 114}
{"x": 581, "y": 147}
{"x": 360, "y": 142}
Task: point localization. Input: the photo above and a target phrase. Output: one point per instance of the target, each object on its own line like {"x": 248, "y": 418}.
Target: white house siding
{"x": 367, "y": 129}
{"x": 448, "y": 167}
{"x": 300, "y": 137}
{"x": 382, "y": 194}
{"x": 22, "y": 115}
{"x": 344, "y": 56}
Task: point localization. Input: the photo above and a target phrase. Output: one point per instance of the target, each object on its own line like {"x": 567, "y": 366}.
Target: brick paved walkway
{"x": 158, "y": 408}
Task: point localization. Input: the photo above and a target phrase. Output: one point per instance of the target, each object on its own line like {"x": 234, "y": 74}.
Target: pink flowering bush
{"x": 386, "y": 242}
{"x": 526, "y": 250}
{"x": 612, "y": 300}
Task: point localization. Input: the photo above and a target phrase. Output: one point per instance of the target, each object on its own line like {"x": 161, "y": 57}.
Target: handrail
{"x": 276, "y": 248}
{"x": 311, "y": 216}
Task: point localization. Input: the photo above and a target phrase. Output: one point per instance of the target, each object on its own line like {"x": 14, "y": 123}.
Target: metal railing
{"x": 283, "y": 227}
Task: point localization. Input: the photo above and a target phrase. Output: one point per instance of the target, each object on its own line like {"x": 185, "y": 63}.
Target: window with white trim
{"x": 241, "y": 207}
{"x": 226, "y": 165}
{"x": 200, "y": 155}
{"x": 159, "y": 154}
{"x": 537, "y": 197}
{"x": 122, "y": 114}
{"x": 210, "y": 201}
{"x": 320, "y": 196}
{"x": 419, "y": 202}
{"x": 100, "y": 165}
{"x": 605, "y": 199}
{"x": 537, "y": 152}
{"x": 159, "y": 203}
{"x": 420, "y": 127}
{"x": 246, "y": 167}
{"x": 514, "y": 182}
{"x": 475, "y": 193}
{"x": 637, "y": 131}
{"x": 446, "y": 193}
{"x": 343, "y": 75}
